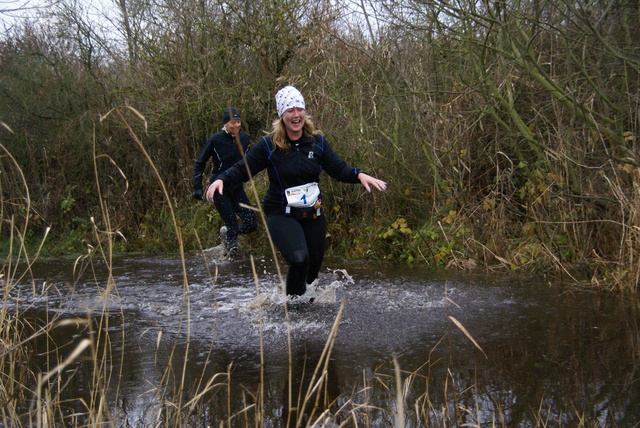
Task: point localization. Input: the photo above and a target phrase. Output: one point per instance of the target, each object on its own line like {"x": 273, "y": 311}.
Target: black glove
{"x": 197, "y": 194}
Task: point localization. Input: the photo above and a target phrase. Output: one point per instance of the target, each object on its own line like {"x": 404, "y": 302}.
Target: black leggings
{"x": 228, "y": 205}
{"x": 302, "y": 246}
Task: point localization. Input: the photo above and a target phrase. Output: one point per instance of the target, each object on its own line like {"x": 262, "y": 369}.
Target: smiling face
{"x": 233, "y": 126}
{"x": 293, "y": 119}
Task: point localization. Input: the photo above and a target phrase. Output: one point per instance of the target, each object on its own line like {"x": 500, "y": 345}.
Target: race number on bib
{"x": 302, "y": 196}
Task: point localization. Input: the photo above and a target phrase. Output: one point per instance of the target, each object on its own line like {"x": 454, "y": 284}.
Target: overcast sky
{"x": 10, "y": 10}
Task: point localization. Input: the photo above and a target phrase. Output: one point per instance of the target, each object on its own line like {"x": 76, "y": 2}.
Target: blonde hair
{"x": 278, "y": 132}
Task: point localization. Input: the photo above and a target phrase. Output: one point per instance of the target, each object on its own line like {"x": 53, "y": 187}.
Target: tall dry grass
{"x": 77, "y": 382}
{"x": 508, "y": 137}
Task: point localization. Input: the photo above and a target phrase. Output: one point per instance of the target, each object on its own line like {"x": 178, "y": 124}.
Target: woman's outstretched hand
{"x": 368, "y": 182}
{"x": 216, "y": 186}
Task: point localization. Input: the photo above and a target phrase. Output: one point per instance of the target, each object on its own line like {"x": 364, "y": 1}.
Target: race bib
{"x": 302, "y": 196}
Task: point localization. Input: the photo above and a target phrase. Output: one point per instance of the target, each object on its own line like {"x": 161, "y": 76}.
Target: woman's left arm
{"x": 368, "y": 182}
{"x": 340, "y": 170}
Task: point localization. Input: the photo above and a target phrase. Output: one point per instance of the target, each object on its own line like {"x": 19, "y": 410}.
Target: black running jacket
{"x": 302, "y": 164}
{"x": 222, "y": 147}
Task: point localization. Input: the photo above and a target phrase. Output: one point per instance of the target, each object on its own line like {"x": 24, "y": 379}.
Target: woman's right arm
{"x": 216, "y": 186}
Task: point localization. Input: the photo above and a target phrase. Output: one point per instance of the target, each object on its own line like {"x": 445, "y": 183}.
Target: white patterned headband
{"x": 288, "y": 97}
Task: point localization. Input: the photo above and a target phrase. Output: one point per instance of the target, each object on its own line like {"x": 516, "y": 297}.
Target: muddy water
{"x": 543, "y": 355}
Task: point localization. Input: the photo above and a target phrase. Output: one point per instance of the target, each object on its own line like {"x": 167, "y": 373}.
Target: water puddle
{"x": 506, "y": 350}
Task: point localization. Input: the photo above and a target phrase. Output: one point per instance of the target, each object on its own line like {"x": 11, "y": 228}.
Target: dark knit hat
{"x": 230, "y": 113}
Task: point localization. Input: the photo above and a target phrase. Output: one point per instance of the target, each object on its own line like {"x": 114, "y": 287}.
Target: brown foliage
{"x": 507, "y": 131}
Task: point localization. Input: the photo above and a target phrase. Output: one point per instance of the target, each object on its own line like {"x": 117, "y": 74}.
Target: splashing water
{"x": 534, "y": 335}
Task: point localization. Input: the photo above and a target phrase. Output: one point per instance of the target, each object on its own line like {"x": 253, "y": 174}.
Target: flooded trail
{"x": 518, "y": 349}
